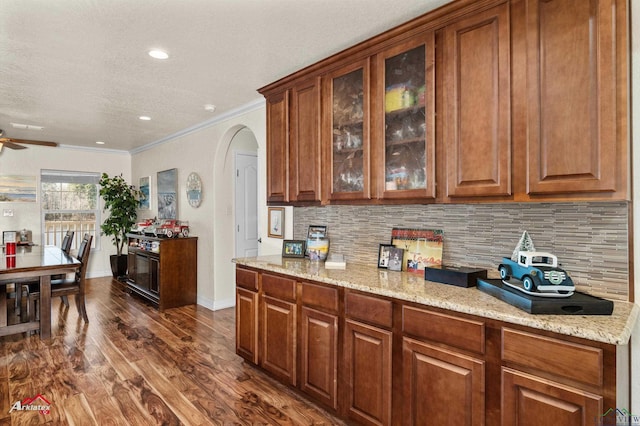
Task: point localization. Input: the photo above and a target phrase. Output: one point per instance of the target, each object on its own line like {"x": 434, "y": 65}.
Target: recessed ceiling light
{"x": 144, "y": 118}
{"x": 99, "y": 142}
{"x": 209, "y": 107}
{"x": 158, "y": 54}
{"x": 26, "y": 126}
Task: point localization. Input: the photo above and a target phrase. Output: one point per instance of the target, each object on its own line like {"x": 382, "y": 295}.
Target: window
{"x": 69, "y": 203}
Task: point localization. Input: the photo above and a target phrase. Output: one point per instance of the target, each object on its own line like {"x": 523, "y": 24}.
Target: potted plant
{"x": 121, "y": 200}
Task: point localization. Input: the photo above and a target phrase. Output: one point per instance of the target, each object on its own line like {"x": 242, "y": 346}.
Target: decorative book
{"x": 422, "y": 247}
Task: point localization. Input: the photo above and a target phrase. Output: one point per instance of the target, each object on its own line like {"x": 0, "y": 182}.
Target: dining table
{"x": 33, "y": 264}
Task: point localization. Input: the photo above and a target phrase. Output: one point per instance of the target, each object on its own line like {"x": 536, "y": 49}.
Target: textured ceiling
{"x": 80, "y": 68}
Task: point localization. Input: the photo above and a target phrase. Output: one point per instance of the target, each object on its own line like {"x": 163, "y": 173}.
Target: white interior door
{"x": 246, "y": 195}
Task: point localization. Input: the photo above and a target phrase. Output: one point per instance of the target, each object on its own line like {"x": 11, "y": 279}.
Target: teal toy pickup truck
{"x": 538, "y": 271}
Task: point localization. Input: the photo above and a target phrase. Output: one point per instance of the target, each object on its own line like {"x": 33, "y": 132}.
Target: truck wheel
{"x": 528, "y": 284}
{"x": 504, "y": 272}
{"x": 169, "y": 233}
{"x": 185, "y": 232}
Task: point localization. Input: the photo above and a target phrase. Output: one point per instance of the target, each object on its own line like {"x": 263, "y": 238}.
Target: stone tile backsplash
{"x": 591, "y": 240}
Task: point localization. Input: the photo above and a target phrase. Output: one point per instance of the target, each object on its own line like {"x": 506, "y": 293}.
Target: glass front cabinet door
{"x": 405, "y": 101}
{"x": 346, "y": 133}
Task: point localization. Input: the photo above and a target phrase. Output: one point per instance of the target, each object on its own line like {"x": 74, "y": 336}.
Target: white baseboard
{"x": 223, "y": 304}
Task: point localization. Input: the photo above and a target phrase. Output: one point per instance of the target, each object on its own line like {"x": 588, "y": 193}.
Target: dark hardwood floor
{"x": 132, "y": 365}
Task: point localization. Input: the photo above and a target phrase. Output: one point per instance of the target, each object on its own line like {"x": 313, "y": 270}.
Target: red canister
{"x": 10, "y": 249}
{"x": 11, "y": 261}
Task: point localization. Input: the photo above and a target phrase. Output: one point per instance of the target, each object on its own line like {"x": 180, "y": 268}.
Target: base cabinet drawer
{"x": 528, "y": 399}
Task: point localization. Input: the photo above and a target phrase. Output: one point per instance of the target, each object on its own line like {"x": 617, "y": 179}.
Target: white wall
{"x": 207, "y": 150}
{"x": 33, "y": 159}
{"x": 635, "y": 127}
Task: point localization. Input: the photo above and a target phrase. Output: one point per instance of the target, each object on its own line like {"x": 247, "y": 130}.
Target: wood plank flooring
{"x": 132, "y": 365}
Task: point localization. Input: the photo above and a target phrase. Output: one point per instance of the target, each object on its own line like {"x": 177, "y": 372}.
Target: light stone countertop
{"x": 614, "y": 329}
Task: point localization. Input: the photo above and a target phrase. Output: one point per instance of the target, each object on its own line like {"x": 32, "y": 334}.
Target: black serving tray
{"x": 455, "y": 275}
{"x": 576, "y": 304}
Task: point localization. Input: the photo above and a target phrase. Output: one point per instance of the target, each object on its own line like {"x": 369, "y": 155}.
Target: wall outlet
{"x": 7, "y": 212}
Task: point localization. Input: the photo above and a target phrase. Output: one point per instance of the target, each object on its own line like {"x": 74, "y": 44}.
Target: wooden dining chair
{"x": 67, "y": 241}
{"x": 66, "y": 287}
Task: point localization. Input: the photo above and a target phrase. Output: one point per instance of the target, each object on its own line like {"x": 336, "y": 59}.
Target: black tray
{"x": 576, "y": 304}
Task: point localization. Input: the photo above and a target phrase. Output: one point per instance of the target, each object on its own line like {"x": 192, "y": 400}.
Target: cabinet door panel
{"x": 131, "y": 266}
{"x": 154, "y": 275}
{"x": 346, "y": 133}
{"x": 304, "y": 147}
{"x": 477, "y": 140}
{"x": 142, "y": 271}
{"x": 368, "y": 373}
{"x": 405, "y": 136}
{"x": 247, "y": 324}
{"x": 319, "y": 368}
{"x": 277, "y": 147}
{"x": 279, "y": 338}
{"x": 571, "y": 83}
{"x": 442, "y": 385}
{"x": 529, "y": 400}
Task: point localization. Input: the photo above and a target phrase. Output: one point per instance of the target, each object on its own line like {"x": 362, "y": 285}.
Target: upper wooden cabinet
{"x": 304, "y": 145}
{"x": 277, "y": 147}
{"x": 346, "y": 94}
{"x": 571, "y": 92}
{"x": 487, "y": 100}
{"x": 404, "y": 112}
{"x": 476, "y": 110}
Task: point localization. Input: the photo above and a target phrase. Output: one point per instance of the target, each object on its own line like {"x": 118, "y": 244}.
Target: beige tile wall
{"x": 591, "y": 240}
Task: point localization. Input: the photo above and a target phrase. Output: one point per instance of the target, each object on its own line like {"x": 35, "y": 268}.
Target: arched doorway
{"x": 238, "y": 141}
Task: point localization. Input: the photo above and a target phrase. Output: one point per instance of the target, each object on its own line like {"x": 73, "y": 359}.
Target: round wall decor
{"x": 194, "y": 189}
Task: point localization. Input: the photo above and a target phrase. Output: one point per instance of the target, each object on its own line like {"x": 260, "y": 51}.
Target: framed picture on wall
{"x": 18, "y": 188}
{"x": 276, "y": 222}
{"x": 145, "y": 193}
{"x": 168, "y": 194}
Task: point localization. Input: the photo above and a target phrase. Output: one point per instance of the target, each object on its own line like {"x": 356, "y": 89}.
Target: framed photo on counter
{"x": 383, "y": 255}
{"x": 293, "y": 248}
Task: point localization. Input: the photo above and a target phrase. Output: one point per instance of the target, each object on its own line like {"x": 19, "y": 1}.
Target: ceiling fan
{"x": 12, "y": 143}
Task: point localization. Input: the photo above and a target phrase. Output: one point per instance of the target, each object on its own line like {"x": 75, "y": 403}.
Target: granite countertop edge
{"x": 613, "y": 329}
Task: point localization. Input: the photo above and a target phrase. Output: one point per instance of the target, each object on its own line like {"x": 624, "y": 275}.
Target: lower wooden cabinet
{"x": 441, "y": 386}
{"x": 319, "y": 355}
{"x": 368, "y": 370}
{"x": 163, "y": 270}
{"x": 375, "y": 360}
{"x": 529, "y": 400}
{"x": 278, "y": 331}
{"x": 247, "y": 324}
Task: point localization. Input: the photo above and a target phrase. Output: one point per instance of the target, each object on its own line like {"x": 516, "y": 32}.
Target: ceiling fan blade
{"x": 12, "y": 145}
{"x": 31, "y": 142}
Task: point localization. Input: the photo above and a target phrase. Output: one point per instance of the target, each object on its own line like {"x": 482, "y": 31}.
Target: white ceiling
{"x": 80, "y": 68}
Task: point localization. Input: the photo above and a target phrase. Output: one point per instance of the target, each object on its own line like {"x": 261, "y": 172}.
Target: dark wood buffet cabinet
{"x": 479, "y": 100}
{"x": 163, "y": 270}
{"x": 375, "y": 360}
